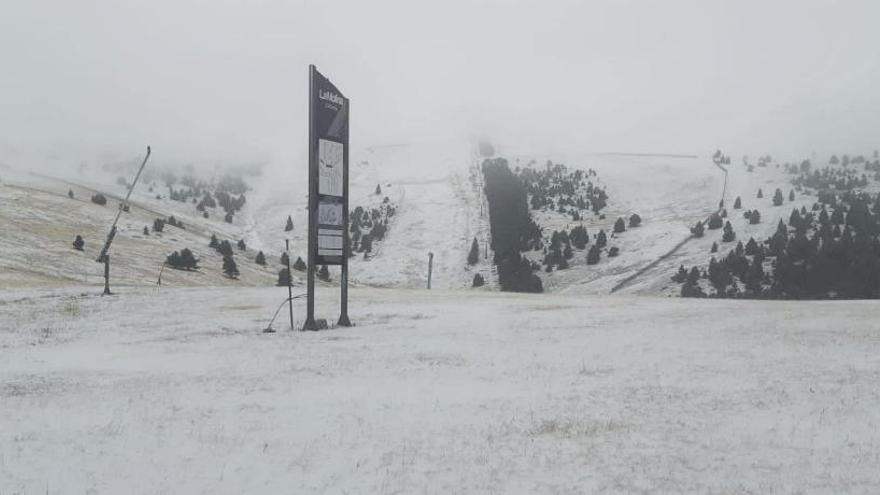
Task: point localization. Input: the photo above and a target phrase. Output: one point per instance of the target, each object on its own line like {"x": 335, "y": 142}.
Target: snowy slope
{"x": 40, "y": 222}
{"x": 670, "y": 193}
{"x": 432, "y": 186}
{"x": 437, "y": 192}
{"x": 435, "y": 187}
{"x": 519, "y": 394}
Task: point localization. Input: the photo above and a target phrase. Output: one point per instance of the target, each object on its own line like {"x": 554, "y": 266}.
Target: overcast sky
{"x": 226, "y": 80}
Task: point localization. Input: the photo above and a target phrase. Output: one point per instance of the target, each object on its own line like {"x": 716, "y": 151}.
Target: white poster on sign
{"x": 330, "y": 154}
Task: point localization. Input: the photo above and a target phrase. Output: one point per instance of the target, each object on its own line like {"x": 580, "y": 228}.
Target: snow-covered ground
{"x": 435, "y": 392}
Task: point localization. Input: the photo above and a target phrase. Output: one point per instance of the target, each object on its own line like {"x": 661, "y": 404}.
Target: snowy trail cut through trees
{"x": 631, "y": 278}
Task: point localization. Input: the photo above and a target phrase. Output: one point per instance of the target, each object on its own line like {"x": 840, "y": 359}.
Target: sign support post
{"x": 313, "y": 208}
{"x": 346, "y": 244}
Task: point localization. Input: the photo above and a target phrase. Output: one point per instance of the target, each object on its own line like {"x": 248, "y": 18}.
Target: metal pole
{"x": 430, "y": 267}
{"x": 313, "y": 208}
{"x": 289, "y": 281}
{"x": 107, "y": 274}
{"x": 346, "y": 248}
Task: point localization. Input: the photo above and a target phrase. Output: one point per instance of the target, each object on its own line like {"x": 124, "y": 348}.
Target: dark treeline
{"x": 831, "y": 252}
{"x": 513, "y": 229}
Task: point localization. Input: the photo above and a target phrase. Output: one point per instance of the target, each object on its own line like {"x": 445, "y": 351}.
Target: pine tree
{"x": 755, "y": 217}
{"x": 690, "y": 287}
{"x": 781, "y": 228}
{"x": 283, "y": 278}
{"x": 791, "y": 195}
{"x": 324, "y": 273}
{"x": 284, "y": 259}
{"x": 289, "y": 226}
{"x": 78, "y": 243}
{"x": 715, "y": 221}
{"x": 697, "y": 230}
{"x": 681, "y": 275}
{"x": 378, "y": 190}
{"x": 158, "y": 225}
{"x": 777, "y": 197}
{"x": 260, "y": 259}
{"x": 225, "y": 248}
{"x": 795, "y": 219}
{"x": 635, "y": 220}
{"x": 728, "y": 235}
{"x": 229, "y": 266}
{"x": 188, "y": 260}
{"x": 478, "y": 281}
{"x": 70, "y": 193}
{"x": 146, "y": 230}
{"x": 619, "y": 226}
{"x": 760, "y": 193}
{"x": 593, "y": 254}
{"x": 299, "y": 265}
{"x": 241, "y": 245}
{"x": 614, "y": 251}
{"x": 714, "y": 248}
{"x": 754, "y": 276}
{"x": 737, "y": 203}
{"x": 474, "y": 254}
{"x": 751, "y": 247}
{"x": 601, "y": 239}
{"x": 214, "y": 243}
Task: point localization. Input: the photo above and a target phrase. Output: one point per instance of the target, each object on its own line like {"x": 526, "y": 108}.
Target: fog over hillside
{"x": 225, "y": 82}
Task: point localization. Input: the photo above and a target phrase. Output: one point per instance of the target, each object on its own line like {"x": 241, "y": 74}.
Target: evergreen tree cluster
{"x": 559, "y": 189}
{"x": 368, "y": 225}
{"x": 817, "y": 255}
{"x": 183, "y": 260}
{"x": 833, "y": 178}
{"x": 512, "y": 227}
{"x": 559, "y": 251}
{"x": 173, "y": 222}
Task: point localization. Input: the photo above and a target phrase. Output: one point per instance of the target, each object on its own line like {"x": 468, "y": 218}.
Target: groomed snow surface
{"x": 178, "y": 391}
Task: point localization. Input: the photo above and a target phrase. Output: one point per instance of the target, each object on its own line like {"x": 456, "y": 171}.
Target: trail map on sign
{"x": 330, "y": 213}
{"x": 330, "y": 157}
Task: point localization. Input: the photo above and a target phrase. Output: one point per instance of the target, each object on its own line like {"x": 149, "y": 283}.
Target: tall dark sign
{"x": 328, "y": 188}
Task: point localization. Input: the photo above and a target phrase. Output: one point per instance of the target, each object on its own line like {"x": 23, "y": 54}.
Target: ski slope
{"x": 179, "y": 392}
{"x": 670, "y": 193}
{"x": 432, "y": 186}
